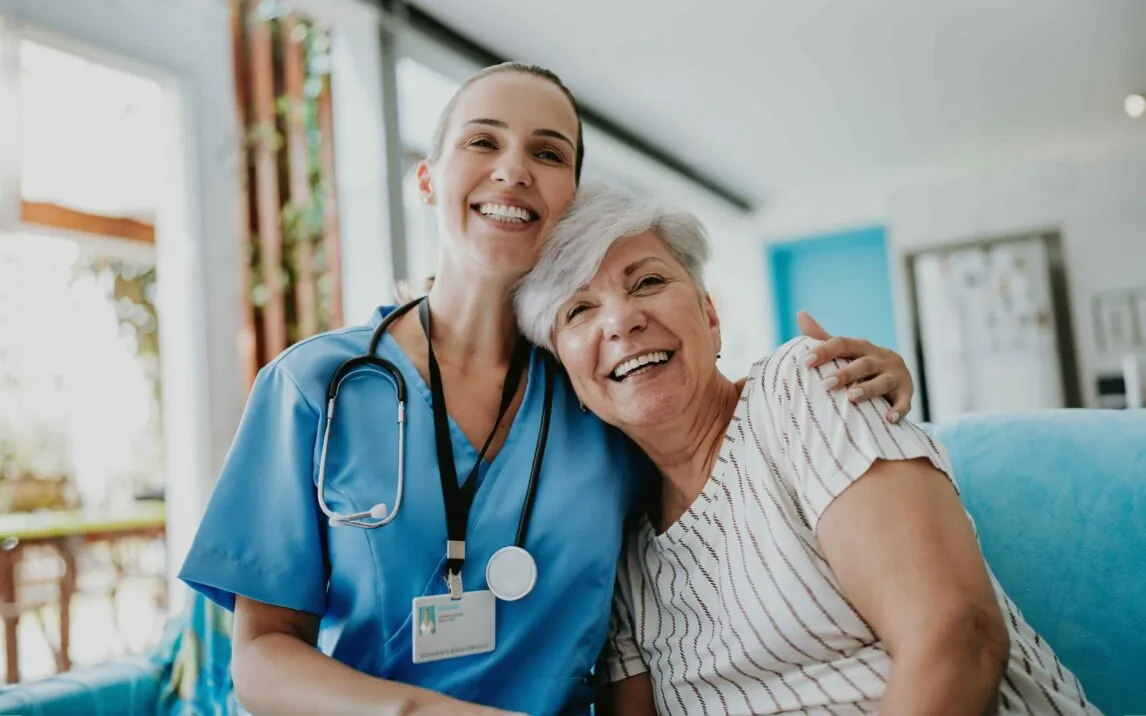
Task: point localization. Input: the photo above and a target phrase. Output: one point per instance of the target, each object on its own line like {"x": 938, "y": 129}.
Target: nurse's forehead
{"x": 519, "y": 101}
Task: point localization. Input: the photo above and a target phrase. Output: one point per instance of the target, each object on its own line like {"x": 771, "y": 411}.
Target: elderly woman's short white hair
{"x": 598, "y": 218}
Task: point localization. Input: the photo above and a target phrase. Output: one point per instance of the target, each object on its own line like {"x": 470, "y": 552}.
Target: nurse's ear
{"x": 425, "y": 187}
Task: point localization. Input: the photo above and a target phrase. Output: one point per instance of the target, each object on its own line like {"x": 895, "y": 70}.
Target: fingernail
{"x": 810, "y": 359}
{"x": 855, "y": 393}
{"x": 895, "y": 417}
{"x": 831, "y": 382}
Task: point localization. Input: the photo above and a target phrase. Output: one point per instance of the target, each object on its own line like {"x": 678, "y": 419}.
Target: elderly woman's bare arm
{"x": 904, "y": 552}
{"x": 629, "y": 697}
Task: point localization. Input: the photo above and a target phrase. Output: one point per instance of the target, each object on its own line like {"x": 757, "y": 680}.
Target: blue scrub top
{"x": 263, "y": 535}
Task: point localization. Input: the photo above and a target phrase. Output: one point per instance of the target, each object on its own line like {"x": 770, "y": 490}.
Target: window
{"x": 81, "y": 438}
{"x": 90, "y": 139}
{"x": 80, "y": 281}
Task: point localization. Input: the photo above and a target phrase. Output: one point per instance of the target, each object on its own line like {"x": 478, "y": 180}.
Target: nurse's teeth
{"x": 503, "y": 212}
{"x": 634, "y": 363}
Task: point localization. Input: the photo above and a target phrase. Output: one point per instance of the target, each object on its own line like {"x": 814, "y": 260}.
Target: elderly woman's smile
{"x": 640, "y": 364}
{"x": 637, "y": 340}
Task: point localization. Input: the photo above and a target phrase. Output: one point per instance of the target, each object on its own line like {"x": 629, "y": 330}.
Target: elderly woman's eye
{"x": 574, "y": 311}
{"x": 648, "y": 281}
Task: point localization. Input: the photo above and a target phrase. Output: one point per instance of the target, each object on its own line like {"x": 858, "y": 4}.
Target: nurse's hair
{"x": 598, "y": 218}
{"x": 525, "y": 69}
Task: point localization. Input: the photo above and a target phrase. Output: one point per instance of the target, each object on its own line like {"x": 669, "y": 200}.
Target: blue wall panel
{"x": 842, "y": 279}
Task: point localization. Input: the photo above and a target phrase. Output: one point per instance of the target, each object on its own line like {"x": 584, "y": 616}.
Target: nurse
{"x": 334, "y": 615}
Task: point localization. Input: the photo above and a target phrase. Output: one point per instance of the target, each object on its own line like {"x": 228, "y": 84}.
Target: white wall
{"x": 1094, "y": 193}
{"x": 742, "y": 298}
{"x": 1097, "y": 201}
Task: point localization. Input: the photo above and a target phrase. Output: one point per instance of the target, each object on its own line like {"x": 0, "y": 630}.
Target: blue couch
{"x": 1059, "y": 499}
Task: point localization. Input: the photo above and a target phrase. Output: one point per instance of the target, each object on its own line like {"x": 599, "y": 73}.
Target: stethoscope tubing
{"x": 345, "y": 371}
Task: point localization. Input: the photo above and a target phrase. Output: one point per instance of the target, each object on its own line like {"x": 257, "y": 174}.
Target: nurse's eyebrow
{"x": 488, "y": 122}
{"x": 551, "y": 133}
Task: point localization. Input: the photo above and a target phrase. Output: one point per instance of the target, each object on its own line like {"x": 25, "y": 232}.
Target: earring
{"x": 425, "y": 198}
{"x": 583, "y": 408}
{"x": 717, "y": 356}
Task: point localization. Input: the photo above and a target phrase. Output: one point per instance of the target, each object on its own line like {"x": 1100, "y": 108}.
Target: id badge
{"x": 447, "y": 628}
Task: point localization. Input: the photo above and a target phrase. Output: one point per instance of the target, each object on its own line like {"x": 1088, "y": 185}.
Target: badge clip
{"x": 454, "y": 584}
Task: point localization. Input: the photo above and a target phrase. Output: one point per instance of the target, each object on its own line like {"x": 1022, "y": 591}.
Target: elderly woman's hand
{"x": 872, "y": 372}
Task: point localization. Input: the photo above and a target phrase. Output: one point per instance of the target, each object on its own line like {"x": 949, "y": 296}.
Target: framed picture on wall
{"x": 1140, "y": 319}
{"x": 992, "y": 325}
{"x": 1120, "y": 320}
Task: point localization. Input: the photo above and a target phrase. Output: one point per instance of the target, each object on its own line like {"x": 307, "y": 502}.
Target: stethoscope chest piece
{"x": 511, "y": 573}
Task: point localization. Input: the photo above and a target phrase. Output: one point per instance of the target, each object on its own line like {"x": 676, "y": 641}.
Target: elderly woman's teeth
{"x": 635, "y": 364}
{"x": 506, "y": 213}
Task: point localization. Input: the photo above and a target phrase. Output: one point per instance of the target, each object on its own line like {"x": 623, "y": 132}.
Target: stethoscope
{"x": 379, "y": 513}
{"x": 511, "y": 571}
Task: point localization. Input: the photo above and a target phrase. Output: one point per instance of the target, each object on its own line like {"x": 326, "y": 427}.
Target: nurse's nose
{"x": 511, "y": 169}
{"x": 623, "y": 319}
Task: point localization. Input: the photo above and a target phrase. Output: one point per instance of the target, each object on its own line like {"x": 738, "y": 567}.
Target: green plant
{"x": 302, "y": 224}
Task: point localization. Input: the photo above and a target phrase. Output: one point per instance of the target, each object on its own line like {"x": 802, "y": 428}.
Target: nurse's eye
{"x": 482, "y": 143}
{"x": 551, "y": 155}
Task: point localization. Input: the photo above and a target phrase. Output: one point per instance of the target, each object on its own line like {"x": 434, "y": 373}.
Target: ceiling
{"x": 768, "y": 96}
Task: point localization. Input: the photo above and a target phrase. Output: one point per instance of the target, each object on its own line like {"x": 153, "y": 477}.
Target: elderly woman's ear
{"x": 871, "y": 372}
{"x": 713, "y": 322}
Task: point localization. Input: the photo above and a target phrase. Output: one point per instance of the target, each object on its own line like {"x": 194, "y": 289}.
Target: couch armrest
{"x": 126, "y": 686}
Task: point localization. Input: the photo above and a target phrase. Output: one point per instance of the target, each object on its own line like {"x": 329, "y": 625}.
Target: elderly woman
{"x": 800, "y": 554}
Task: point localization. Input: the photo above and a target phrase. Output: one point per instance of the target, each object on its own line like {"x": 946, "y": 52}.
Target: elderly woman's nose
{"x": 512, "y": 168}
{"x": 622, "y": 319}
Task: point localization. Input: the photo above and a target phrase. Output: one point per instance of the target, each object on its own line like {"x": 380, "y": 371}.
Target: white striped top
{"x": 734, "y": 609}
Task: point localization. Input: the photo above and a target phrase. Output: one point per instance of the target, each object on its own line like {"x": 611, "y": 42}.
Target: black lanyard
{"x": 459, "y": 499}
